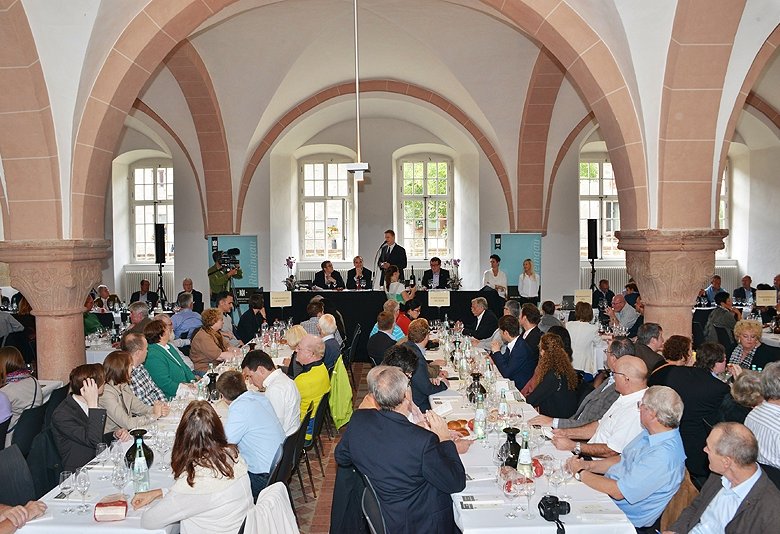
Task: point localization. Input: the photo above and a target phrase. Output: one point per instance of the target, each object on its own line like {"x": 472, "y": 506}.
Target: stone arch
{"x": 698, "y": 57}
{"x": 27, "y": 142}
{"x": 369, "y": 86}
{"x": 546, "y": 79}
{"x": 764, "y": 107}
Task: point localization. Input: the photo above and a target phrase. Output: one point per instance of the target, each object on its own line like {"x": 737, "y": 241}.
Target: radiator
{"x": 618, "y": 277}
{"x": 133, "y": 283}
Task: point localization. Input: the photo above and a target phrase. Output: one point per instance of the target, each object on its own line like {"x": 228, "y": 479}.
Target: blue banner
{"x": 247, "y": 257}
{"x": 513, "y": 249}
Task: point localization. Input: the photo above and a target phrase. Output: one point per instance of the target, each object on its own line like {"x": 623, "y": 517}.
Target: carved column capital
{"x": 54, "y": 275}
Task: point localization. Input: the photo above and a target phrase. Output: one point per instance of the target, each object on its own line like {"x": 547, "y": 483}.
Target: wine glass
{"x": 527, "y": 487}
{"x": 499, "y": 457}
{"x": 82, "y": 486}
{"x": 509, "y": 487}
{"x": 116, "y": 453}
{"x": 164, "y": 445}
{"x": 119, "y": 478}
{"x": 548, "y": 464}
{"x": 67, "y": 486}
{"x": 556, "y": 477}
{"x": 100, "y": 454}
{"x": 568, "y": 474}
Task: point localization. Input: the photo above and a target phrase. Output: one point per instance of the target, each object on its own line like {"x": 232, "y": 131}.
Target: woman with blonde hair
{"x": 293, "y": 336}
{"x": 208, "y": 345}
{"x": 555, "y": 394}
{"x": 529, "y": 284}
{"x": 19, "y": 385}
{"x": 750, "y": 351}
{"x": 211, "y": 492}
{"x": 123, "y": 408}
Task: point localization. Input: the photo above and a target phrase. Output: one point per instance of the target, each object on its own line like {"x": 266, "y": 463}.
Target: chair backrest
{"x": 319, "y": 418}
{"x": 17, "y": 487}
{"x": 56, "y": 397}
{"x": 290, "y": 453}
{"x": 44, "y": 462}
{"x": 29, "y": 425}
{"x": 724, "y": 339}
{"x": 3, "y": 432}
{"x": 698, "y": 335}
{"x": 773, "y": 473}
{"x": 353, "y": 347}
{"x": 372, "y": 510}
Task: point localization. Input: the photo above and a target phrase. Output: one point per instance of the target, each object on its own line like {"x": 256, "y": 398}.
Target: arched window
{"x": 151, "y": 201}
{"x": 426, "y": 185}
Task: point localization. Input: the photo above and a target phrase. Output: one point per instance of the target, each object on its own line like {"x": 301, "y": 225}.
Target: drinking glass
{"x": 510, "y": 490}
{"x": 499, "y": 457}
{"x": 548, "y": 464}
{"x": 527, "y": 487}
{"x": 567, "y": 475}
{"x": 556, "y": 478}
{"x": 116, "y": 453}
{"x": 67, "y": 485}
{"x": 119, "y": 478}
{"x": 164, "y": 445}
{"x": 101, "y": 454}
{"x": 82, "y": 486}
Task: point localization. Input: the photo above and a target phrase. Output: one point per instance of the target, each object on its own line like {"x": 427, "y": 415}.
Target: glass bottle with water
{"x": 480, "y": 417}
{"x": 524, "y": 460}
{"x": 140, "y": 469}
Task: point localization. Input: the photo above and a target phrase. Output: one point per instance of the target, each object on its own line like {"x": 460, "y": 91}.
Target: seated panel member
{"x": 144, "y": 295}
{"x": 328, "y": 277}
{"x": 197, "y": 296}
{"x": 436, "y": 277}
{"x": 359, "y": 277}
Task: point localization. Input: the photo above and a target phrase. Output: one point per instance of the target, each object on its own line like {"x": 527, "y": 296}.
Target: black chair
{"x": 283, "y": 470}
{"x": 56, "y": 397}
{"x": 698, "y": 335}
{"x": 349, "y": 356}
{"x": 106, "y": 320}
{"x": 17, "y": 487}
{"x": 29, "y": 425}
{"x": 315, "y": 442}
{"x": 372, "y": 510}
{"x": 773, "y": 473}
{"x": 725, "y": 340}
{"x": 44, "y": 462}
{"x": 3, "y": 432}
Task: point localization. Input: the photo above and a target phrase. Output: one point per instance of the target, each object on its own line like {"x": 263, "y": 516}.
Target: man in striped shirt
{"x": 764, "y": 419}
{"x": 140, "y": 381}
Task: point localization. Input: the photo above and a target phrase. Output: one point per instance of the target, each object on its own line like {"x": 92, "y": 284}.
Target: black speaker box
{"x": 159, "y": 243}
{"x": 593, "y": 243}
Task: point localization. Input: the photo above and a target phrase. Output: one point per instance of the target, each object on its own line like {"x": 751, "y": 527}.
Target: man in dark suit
{"x": 391, "y": 253}
{"x": 649, "y": 340}
{"x": 359, "y": 275}
{"x": 518, "y": 362}
{"x": 486, "y": 321}
{"x": 383, "y": 339}
{"x": 746, "y": 289}
{"x": 414, "y": 470}
{"x": 732, "y": 450}
{"x": 197, "y": 296}
{"x": 422, "y": 385}
{"x": 603, "y": 293}
{"x": 436, "y": 277}
{"x": 328, "y": 277}
{"x": 529, "y": 321}
{"x": 150, "y": 297}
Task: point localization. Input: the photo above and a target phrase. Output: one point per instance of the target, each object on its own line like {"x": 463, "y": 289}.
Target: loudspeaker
{"x": 159, "y": 243}
{"x": 593, "y": 242}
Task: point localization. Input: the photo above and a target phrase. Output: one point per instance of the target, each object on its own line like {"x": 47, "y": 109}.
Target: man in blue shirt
{"x": 645, "y": 477}
{"x": 713, "y": 289}
{"x": 253, "y": 426}
{"x": 185, "y": 320}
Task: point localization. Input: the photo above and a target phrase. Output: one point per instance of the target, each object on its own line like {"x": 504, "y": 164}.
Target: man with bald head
{"x": 620, "y": 313}
{"x": 620, "y": 424}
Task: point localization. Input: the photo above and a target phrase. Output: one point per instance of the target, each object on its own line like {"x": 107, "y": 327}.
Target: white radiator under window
{"x": 618, "y": 277}
{"x": 133, "y": 283}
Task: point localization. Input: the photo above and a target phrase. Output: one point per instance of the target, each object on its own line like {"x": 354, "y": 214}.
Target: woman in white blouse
{"x": 584, "y": 337}
{"x": 529, "y": 283}
{"x": 494, "y": 277}
{"x": 211, "y": 493}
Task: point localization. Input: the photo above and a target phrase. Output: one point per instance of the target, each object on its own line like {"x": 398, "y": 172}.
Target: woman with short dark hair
{"x": 163, "y": 361}
{"x": 211, "y": 492}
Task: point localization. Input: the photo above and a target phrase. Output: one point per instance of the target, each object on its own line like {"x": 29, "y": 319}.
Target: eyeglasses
{"x": 639, "y": 404}
{"x": 624, "y": 375}
{"x": 607, "y": 352}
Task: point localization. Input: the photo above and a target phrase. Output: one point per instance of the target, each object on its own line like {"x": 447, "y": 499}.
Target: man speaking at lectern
{"x": 391, "y": 253}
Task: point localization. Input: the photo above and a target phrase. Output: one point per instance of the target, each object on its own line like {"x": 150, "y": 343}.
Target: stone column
{"x": 55, "y": 277}
{"x": 670, "y": 267}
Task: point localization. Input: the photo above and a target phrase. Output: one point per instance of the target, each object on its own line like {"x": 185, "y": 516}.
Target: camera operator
{"x": 219, "y": 276}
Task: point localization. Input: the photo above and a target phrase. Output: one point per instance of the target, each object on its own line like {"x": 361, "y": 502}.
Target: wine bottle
{"x": 412, "y": 279}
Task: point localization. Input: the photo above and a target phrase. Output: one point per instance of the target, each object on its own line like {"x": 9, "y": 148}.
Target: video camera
{"x": 228, "y": 259}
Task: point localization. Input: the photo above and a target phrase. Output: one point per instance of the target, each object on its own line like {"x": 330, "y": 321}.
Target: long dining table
{"x": 592, "y": 512}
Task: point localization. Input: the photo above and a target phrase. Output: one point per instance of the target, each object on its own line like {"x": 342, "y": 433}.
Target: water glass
{"x": 101, "y": 454}
{"x": 527, "y": 487}
{"x": 568, "y": 474}
{"x": 82, "y": 486}
{"x": 67, "y": 485}
{"x": 119, "y": 478}
{"x": 556, "y": 477}
{"x": 510, "y": 490}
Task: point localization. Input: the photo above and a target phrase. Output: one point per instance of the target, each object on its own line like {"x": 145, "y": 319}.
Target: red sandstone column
{"x": 55, "y": 277}
{"x": 670, "y": 266}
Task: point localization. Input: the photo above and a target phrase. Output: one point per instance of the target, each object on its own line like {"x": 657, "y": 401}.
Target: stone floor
{"x": 314, "y": 515}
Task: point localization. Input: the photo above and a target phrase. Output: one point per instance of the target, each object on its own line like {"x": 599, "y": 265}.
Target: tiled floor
{"x": 314, "y": 515}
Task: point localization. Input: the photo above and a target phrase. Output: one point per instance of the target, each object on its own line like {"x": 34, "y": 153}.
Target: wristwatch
{"x": 577, "y": 449}
{"x": 577, "y": 475}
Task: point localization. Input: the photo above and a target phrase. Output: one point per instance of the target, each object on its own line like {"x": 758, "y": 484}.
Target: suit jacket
{"x": 396, "y": 257}
{"x": 518, "y": 365}
{"x": 319, "y": 280}
{"x": 592, "y": 408}
{"x": 414, "y": 474}
{"x": 702, "y": 395}
{"x": 378, "y": 345}
{"x": 486, "y": 327}
{"x": 422, "y": 387}
{"x": 651, "y": 358}
{"x": 765, "y": 354}
{"x": 740, "y": 293}
{"x": 151, "y": 298}
{"x": 197, "y": 300}
{"x": 444, "y": 278}
{"x": 77, "y": 434}
{"x": 598, "y": 295}
{"x": 351, "y": 284}
{"x": 758, "y": 512}
{"x": 533, "y": 338}
{"x": 248, "y": 325}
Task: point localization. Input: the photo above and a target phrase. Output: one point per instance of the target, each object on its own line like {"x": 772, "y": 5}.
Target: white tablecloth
{"x": 591, "y": 511}
{"x": 48, "y": 386}
{"x": 771, "y": 339}
{"x": 98, "y": 354}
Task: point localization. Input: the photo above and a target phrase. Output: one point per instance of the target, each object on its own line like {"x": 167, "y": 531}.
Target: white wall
{"x": 763, "y": 255}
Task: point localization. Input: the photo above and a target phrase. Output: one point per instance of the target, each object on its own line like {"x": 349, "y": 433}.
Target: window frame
{"x": 426, "y": 158}
{"x": 606, "y": 203}
{"x": 152, "y": 163}
{"x": 348, "y": 207}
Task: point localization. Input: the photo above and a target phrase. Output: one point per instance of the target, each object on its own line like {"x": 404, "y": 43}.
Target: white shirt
{"x": 584, "y": 337}
{"x": 528, "y": 285}
{"x": 479, "y": 318}
{"x": 281, "y": 392}
{"x": 764, "y": 422}
{"x": 620, "y": 425}
{"x": 722, "y": 508}
{"x": 488, "y": 279}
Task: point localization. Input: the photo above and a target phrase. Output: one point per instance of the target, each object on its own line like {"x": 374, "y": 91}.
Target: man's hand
{"x": 563, "y": 444}
{"x": 734, "y": 369}
{"x": 438, "y": 380}
{"x": 462, "y": 445}
{"x": 232, "y": 272}
{"x": 541, "y": 420}
{"x": 89, "y": 391}
{"x": 576, "y": 464}
{"x": 495, "y": 346}
{"x": 122, "y": 435}
{"x": 437, "y": 425}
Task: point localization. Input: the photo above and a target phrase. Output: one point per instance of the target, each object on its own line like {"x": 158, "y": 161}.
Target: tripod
{"x": 160, "y": 288}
